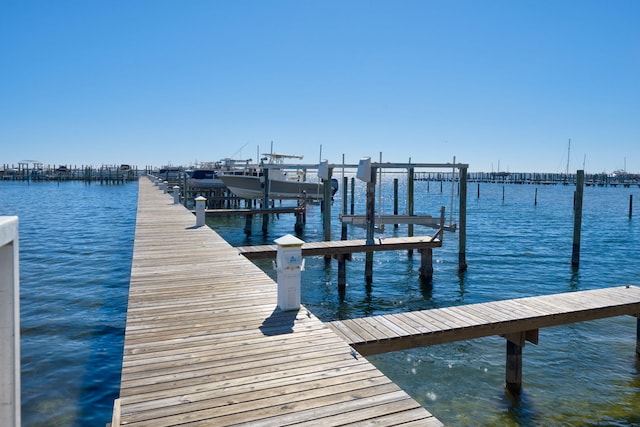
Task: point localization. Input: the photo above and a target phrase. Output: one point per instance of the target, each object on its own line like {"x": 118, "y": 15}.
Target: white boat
{"x": 283, "y": 183}
{"x": 207, "y": 176}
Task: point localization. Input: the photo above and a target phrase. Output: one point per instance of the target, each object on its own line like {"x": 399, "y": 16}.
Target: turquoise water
{"x": 76, "y": 245}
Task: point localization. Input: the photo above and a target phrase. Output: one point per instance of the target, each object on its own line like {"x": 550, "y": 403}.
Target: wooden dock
{"x": 518, "y": 320}
{"x": 206, "y": 345}
{"x": 393, "y": 332}
{"x": 345, "y": 247}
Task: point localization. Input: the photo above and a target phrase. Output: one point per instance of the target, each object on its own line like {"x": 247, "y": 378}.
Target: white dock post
{"x": 176, "y": 195}
{"x": 289, "y": 264}
{"x": 164, "y": 187}
{"x": 9, "y": 323}
{"x": 200, "y": 214}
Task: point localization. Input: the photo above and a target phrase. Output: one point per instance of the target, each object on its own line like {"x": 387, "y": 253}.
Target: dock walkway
{"x": 345, "y": 247}
{"x": 401, "y": 331}
{"x": 205, "y": 344}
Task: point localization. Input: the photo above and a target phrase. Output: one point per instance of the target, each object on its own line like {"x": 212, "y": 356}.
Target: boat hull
{"x": 205, "y": 183}
{"x": 205, "y": 178}
{"x": 252, "y": 187}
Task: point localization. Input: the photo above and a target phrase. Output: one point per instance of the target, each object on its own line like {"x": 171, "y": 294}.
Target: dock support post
{"x": 343, "y": 231}
{"x": 342, "y": 275}
{"x": 248, "y": 224}
{"x": 185, "y": 187}
{"x": 327, "y": 207}
{"x": 577, "y": 219}
{"x": 371, "y": 209}
{"x": 395, "y": 199}
{"x": 426, "y": 264}
{"x": 9, "y": 322}
{"x": 265, "y": 217}
{"x": 353, "y": 196}
{"x": 410, "y": 204}
{"x": 462, "y": 242}
{"x": 513, "y": 379}
{"x": 299, "y": 226}
{"x": 630, "y": 205}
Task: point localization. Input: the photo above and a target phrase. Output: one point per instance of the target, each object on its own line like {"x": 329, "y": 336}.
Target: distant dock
{"x": 38, "y": 172}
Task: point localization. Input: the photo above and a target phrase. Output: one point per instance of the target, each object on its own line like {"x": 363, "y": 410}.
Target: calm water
{"x": 76, "y": 245}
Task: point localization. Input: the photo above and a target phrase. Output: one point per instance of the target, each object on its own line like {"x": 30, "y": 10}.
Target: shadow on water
{"x": 426, "y": 288}
{"x": 520, "y": 408}
{"x": 574, "y": 279}
{"x": 462, "y": 276}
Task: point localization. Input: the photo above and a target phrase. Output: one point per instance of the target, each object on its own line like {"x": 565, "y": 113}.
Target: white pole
{"x": 176, "y": 195}
{"x": 200, "y": 213}
{"x": 9, "y": 322}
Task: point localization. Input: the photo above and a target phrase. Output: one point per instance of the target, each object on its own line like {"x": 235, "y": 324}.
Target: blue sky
{"x": 498, "y": 84}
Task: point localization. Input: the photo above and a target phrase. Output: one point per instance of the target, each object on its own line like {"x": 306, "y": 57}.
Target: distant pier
{"x": 38, "y": 172}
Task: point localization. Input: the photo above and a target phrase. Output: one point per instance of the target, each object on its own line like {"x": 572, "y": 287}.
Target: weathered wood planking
{"x": 393, "y": 332}
{"x": 205, "y": 345}
{"x": 343, "y": 247}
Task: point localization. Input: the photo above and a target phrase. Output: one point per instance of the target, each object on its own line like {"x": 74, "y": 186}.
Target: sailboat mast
{"x": 568, "y": 155}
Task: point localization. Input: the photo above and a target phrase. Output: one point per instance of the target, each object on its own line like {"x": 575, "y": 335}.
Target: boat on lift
{"x": 207, "y": 175}
{"x": 284, "y": 182}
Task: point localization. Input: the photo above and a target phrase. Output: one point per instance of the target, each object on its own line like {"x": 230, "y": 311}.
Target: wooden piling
{"x": 513, "y": 376}
{"x": 410, "y": 202}
{"x": 299, "y": 226}
{"x": 426, "y": 264}
{"x": 248, "y": 224}
{"x": 535, "y": 198}
{"x": 265, "y": 217}
{"x": 353, "y": 195}
{"x": 371, "y": 210}
{"x": 342, "y": 275}
{"x": 395, "y": 199}
{"x": 577, "y": 219}
{"x": 630, "y": 205}
{"x": 327, "y": 206}
{"x": 343, "y": 231}
{"x": 462, "y": 236}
